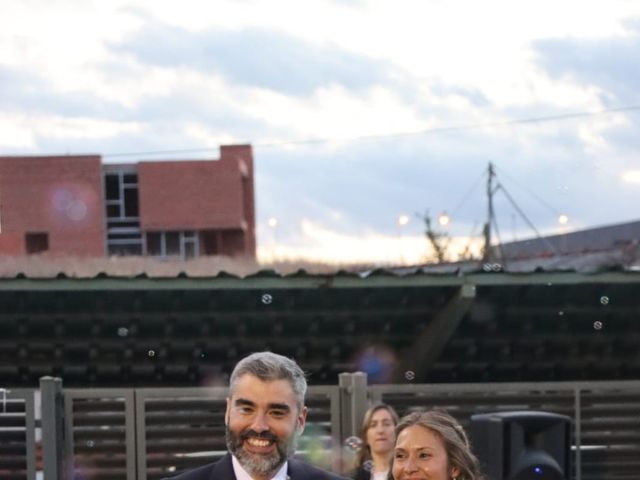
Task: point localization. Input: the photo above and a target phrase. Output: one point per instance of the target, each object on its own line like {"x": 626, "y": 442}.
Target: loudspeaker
{"x": 524, "y": 445}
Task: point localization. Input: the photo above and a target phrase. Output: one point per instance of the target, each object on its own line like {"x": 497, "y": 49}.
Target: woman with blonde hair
{"x": 433, "y": 445}
{"x": 378, "y": 436}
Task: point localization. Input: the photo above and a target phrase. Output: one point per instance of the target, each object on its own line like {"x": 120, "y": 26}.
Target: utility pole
{"x": 486, "y": 253}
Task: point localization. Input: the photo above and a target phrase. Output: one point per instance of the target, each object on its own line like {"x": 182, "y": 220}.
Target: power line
{"x": 455, "y": 128}
{"x": 467, "y": 195}
{"x": 531, "y": 192}
{"x": 526, "y": 219}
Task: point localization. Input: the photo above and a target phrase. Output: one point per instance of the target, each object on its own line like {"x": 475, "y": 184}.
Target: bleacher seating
{"x": 181, "y": 337}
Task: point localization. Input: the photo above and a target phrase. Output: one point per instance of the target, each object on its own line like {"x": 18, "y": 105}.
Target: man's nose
{"x": 259, "y": 423}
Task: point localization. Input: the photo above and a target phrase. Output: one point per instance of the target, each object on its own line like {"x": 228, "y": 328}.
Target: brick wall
{"x": 60, "y": 196}
{"x": 243, "y": 154}
{"x": 200, "y": 195}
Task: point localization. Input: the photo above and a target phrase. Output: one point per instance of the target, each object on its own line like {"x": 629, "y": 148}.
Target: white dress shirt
{"x": 241, "y": 473}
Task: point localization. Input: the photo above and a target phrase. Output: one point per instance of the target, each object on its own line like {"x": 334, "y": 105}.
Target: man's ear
{"x": 302, "y": 419}
{"x": 227, "y": 412}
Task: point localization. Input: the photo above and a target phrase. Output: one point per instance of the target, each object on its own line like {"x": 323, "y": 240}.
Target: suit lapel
{"x": 293, "y": 470}
{"x": 223, "y": 469}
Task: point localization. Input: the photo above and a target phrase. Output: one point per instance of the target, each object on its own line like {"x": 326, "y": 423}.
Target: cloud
{"x": 548, "y": 169}
{"x": 472, "y": 95}
{"x": 320, "y": 243}
{"x": 317, "y": 242}
{"x": 22, "y": 92}
{"x": 350, "y": 3}
{"x": 255, "y": 57}
{"x": 165, "y": 77}
{"x": 611, "y": 64}
{"x": 631, "y": 176}
{"x": 609, "y": 67}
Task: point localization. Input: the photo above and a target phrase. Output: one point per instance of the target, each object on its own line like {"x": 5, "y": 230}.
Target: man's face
{"x": 263, "y": 422}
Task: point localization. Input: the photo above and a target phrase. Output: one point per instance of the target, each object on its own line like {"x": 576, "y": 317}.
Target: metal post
{"x": 487, "y": 254}
{"x": 353, "y": 402}
{"x": 140, "y": 432}
{"x": 30, "y": 431}
{"x": 578, "y": 432}
{"x": 52, "y": 428}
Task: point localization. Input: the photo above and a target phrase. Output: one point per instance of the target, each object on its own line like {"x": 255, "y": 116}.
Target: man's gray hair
{"x": 269, "y": 366}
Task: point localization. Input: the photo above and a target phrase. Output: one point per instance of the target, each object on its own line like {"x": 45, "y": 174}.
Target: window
{"x": 173, "y": 244}
{"x": 154, "y": 243}
{"x": 121, "y": 198}
{"x": 112, "y": 187}
{"x": 36, "y": 242}
{"x": 124, "y": 248}
{"x": 121, "y": 191}
{"x": 131, "y": 202}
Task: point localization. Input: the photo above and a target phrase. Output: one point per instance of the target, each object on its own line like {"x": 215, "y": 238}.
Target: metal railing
{"x": 606, "y": 415}
{"x": 147, "y": 434}
{"x": 17, "y": 434}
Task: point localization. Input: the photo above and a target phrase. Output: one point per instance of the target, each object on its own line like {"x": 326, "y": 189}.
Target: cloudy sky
{"x": 359, "y": 111}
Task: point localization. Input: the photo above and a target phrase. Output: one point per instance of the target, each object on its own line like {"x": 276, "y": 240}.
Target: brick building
{"x": 75, "y": 205}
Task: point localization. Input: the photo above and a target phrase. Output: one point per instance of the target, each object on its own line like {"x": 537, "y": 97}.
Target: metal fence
{"x": 606, "y": 415}
{"x": 100, "y": 434}
{"x": 152, "y": 433}
{"x": 183, "y": 428}
{"x": 17, "y": 434}
{"x": 140, "y": 434}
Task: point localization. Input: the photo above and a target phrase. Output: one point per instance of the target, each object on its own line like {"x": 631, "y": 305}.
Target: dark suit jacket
{"x": 223, "y": 470}
{"x": 362, "y": 473}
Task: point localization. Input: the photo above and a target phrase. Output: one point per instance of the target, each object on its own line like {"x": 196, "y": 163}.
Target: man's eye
{"x": 278, "y": 413}
{"x": 398, "y": 455}
{"x": 245, "y": 409}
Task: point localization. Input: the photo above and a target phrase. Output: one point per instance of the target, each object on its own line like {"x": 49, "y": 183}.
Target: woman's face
{"x": 420, "y": 455}
{"x": 381, "y": 432}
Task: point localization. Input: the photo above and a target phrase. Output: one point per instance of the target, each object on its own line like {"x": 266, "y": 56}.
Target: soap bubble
{"x": 353, "y": 443}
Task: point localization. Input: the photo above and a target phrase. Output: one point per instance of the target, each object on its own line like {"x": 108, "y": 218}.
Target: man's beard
{"x": 256, "y": 464}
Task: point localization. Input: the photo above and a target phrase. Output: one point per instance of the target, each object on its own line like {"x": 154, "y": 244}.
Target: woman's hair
{"x": 453, "y": 437}
{"x": 365, "y": 452}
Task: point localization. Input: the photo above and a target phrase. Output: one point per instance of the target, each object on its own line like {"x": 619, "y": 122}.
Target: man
{"x": 264, "y": 417}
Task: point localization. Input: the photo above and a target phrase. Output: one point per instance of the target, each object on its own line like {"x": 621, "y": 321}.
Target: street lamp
{"x": 403, "y": 220}
{"x": 444, "y": 219}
